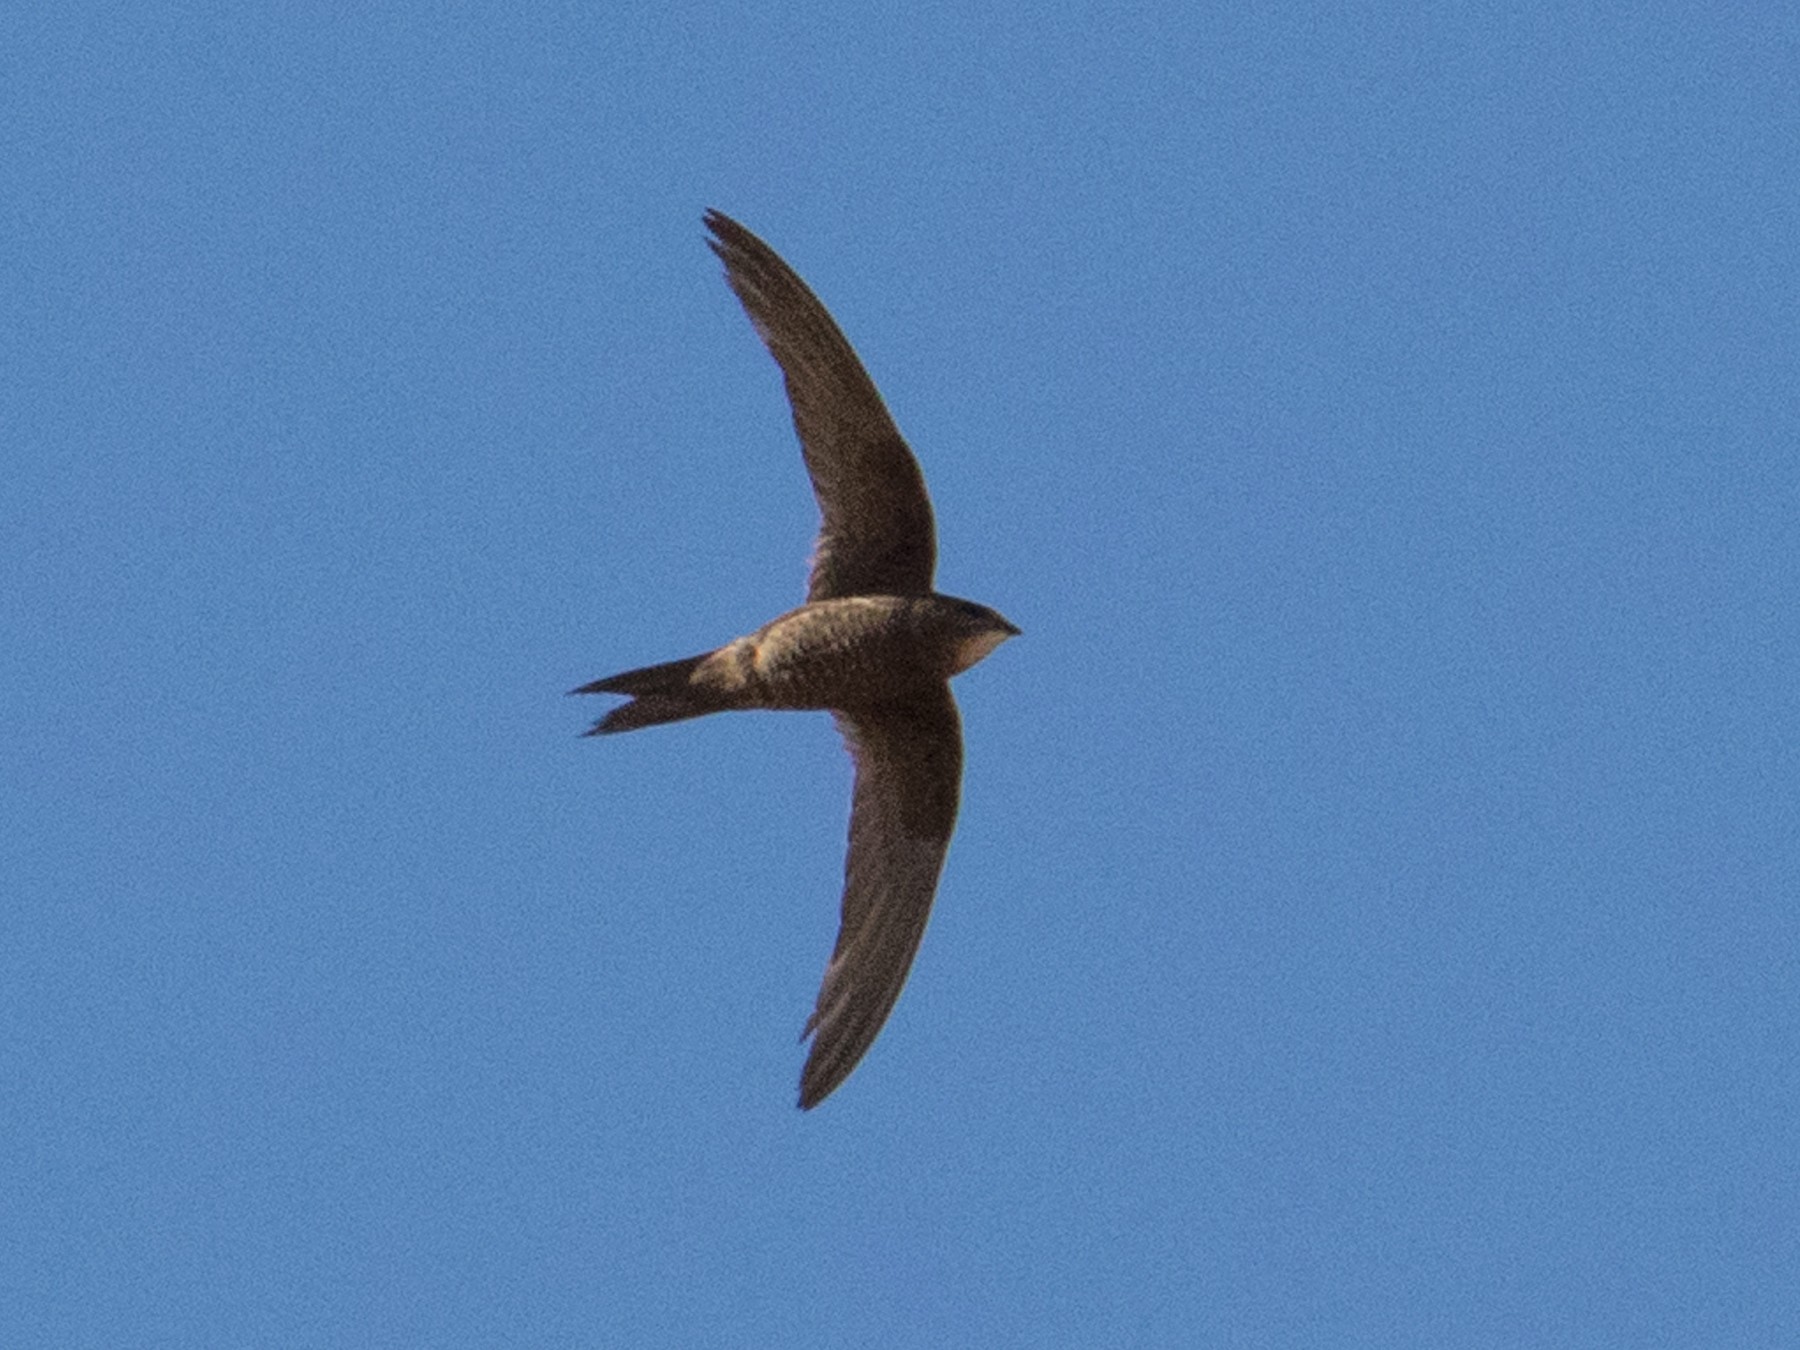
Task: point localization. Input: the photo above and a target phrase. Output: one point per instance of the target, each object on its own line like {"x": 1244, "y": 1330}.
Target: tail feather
{"x": 658, "y": 694}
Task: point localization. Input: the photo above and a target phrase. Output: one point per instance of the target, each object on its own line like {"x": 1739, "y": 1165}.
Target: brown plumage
{"x": 874, "y": 645}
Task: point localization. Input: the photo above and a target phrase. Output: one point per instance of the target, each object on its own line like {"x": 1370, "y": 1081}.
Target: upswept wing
{"x": 908, "y": 779}
{"x": 876, "y": 535}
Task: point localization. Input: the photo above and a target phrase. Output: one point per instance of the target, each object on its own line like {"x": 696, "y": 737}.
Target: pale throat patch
{"x": 973, "y": 649}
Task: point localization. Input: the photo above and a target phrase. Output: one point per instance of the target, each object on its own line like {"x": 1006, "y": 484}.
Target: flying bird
{"x": 874, "y": 645}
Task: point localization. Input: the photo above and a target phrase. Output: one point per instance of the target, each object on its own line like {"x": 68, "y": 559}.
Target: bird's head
{"x": 976, "y": 630}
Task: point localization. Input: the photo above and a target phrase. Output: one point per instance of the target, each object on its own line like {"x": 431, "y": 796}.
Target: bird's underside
{"x": 874, "y": 644}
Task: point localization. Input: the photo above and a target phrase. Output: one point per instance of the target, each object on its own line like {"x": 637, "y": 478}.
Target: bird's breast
{"x": 843, "y": 653}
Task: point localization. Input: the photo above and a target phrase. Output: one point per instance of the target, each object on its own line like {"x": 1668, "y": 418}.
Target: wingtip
{"x": 811, "y": 1094}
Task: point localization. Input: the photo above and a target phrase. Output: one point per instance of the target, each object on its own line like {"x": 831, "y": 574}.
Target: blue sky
{"x": 1372, "y": 919}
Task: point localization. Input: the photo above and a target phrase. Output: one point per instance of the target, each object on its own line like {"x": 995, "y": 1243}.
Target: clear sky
{"x": 1373, "y": 915}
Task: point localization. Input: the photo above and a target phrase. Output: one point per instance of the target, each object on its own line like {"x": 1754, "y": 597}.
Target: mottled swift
{"x": 874, "y": 645}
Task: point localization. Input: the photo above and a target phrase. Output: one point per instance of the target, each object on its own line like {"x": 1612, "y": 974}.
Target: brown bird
{"x": 874, "y": 644}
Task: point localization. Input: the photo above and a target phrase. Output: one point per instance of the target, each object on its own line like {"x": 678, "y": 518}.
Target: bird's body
{"x": 874, "y": 644}
{"x": 861, "y": 651}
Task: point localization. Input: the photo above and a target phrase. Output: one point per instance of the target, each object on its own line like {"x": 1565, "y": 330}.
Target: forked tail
{"x": 658, "y": 694}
